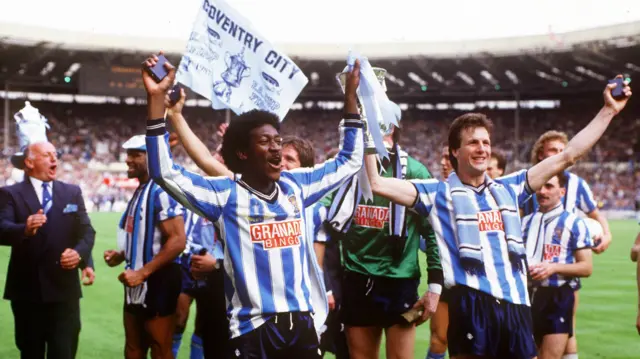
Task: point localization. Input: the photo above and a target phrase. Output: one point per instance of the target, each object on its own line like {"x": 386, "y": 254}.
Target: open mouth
{"x": 275, "y": 161}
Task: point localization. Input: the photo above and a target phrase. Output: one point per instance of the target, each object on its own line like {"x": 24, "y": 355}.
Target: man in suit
{"x": 51, "y": 237}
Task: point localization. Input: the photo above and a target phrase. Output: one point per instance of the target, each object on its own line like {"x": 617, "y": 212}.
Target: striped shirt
{"x": 578, "y": 197}
{"x": 554, "y": 237}
{"x": 269, "y": 261}
{"x": 143, "y": 235}
{"x": 434, "y": 201}
{"x": 201, "y": 234}
{"x": 318, "y": 214}
{"x": 140, "y": 234}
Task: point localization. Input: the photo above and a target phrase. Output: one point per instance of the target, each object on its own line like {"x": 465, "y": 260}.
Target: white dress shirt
{"x": 37, "y": 186}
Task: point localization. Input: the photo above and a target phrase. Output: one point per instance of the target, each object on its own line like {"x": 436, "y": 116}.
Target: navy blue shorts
{"x": 480, "y": 324}
{"x": 188, "y": 283}
{"x": 284, "y": 336}
{"x": 552, "y": 309}
{"x": 445, "y": 295}
{"x": 376, "y": 301}
{"x": 163, "y": 289}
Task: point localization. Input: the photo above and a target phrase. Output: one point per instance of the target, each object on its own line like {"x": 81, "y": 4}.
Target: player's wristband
{"x": 156, "y": 127}
{"x": 435, "y": 288}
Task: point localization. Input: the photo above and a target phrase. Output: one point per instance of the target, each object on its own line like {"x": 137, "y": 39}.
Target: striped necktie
{"x": 46, "y": 198}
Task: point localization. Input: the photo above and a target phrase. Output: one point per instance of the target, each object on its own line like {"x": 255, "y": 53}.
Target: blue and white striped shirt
{"x": 139, "y": 232}
{"x": 201, "y": 234}
{"x": 318, "y": 214}
{"x": 577, "y": 197}
{"x": 269, "y": 260}
{"x": 500, "y": 281}
{"x": 554, "y": 237}
{"x": 143, "y": 235}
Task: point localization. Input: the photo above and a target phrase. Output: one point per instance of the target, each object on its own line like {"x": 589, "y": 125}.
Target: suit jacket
{"x": 34, "y": 272}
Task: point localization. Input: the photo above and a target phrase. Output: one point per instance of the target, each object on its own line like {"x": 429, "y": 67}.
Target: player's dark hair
{"x": 237, "y": 138}
{"x": 306, "y": 154}
{"x": 502, "y": 161}
{"x": 466, "y": 121}
{"x": 562, "y": 179}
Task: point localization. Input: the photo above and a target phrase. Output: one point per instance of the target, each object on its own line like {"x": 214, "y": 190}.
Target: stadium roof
{"x": 29, "y": 35}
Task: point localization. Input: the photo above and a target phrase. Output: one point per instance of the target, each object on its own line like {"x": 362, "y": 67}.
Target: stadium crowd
{"x": 89, "y": 136}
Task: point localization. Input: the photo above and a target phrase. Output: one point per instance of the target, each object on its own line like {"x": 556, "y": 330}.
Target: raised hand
{"x": 176, "y": 108}
{"x": 612, "y": 103}
{"x": 157, "y": 89}
{"x": 350, "y": 89}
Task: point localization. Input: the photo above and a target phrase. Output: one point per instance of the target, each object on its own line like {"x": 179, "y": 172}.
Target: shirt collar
{"x": 557, "y": 210}
{"x": 38, "y": 183}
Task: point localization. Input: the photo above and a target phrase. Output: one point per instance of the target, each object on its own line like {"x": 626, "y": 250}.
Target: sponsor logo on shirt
{"x": 551, "y": 252}
{"x": 490, "y": 221}
{"x": 273, "y": 235}
{"x": 371, "y": 216}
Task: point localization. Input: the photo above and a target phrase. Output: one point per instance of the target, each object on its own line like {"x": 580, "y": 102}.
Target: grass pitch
{"x": 606, "y": 317}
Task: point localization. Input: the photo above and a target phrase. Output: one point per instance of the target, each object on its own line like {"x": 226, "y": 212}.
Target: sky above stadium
{"x": 320, "y": 21}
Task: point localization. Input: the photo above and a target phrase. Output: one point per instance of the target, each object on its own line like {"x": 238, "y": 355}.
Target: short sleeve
{"x": 165, "y": 207}
{"x": 518, "y": 183}
{"x": 580, "y": 236}
{"x": 585, "y": 200}
{"x": 427, "y": 190}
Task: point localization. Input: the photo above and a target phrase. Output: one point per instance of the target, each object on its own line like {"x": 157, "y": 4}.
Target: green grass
{"x": 606, "y": 318}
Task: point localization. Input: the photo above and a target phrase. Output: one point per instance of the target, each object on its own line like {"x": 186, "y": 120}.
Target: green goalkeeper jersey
{"x": 366, "y": 247}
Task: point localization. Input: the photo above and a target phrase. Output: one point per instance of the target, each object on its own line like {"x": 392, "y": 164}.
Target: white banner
{"x": 230, "y": 63}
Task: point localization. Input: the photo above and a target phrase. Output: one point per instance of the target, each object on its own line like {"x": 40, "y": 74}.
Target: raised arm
{"x": 328, "y": 176}
{"x": 205, "y": 196}
{"x": 396, "y": 190}
{"x": 196, "y": 149}
{"x": 581, "y": 143}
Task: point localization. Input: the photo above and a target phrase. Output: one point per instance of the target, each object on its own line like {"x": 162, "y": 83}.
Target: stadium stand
{"x": 89, "y": 88}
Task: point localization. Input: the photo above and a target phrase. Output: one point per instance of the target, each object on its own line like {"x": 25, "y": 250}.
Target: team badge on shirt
{"x": 551, "y": 252}
{"x": 294, "y": 203}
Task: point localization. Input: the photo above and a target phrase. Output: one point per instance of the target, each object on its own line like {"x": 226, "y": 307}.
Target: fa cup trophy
{"x": 380, "y": 75}
{"x": 236, "y": 70}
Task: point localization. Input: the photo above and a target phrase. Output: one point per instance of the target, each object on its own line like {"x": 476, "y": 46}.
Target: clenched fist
{"x": 34, "y": 222}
